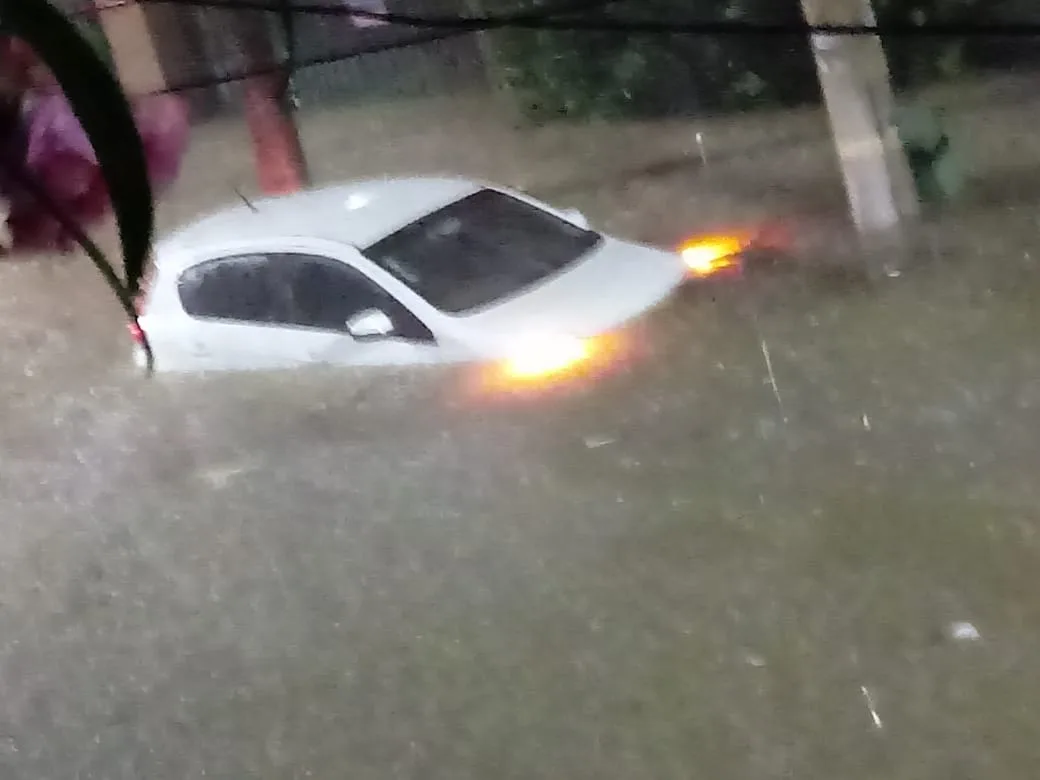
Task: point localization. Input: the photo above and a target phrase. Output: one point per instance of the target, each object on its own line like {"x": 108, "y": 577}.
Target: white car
{"x": 394, "y": 272}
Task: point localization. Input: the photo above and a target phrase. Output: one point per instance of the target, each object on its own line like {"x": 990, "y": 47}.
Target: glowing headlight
{"x": 546, "y": 355}
{"x": 705, "y": 256}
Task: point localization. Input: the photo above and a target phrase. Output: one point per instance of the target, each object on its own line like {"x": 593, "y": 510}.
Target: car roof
{"x": 356, "y": 213}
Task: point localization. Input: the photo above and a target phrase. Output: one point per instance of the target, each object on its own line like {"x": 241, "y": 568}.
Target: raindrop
{"x": 962, "y": 631}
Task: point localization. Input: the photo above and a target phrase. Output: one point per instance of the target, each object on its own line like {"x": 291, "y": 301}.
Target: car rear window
{"x": 485, "y": 247}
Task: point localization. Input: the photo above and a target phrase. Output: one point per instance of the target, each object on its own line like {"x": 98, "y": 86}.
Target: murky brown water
{"x": 292, "y": 576}
{"x": 680, "y": 571}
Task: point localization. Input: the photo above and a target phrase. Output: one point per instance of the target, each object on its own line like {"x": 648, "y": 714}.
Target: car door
{"x": 236, "y": 311}
{"x": 324, "y": 294}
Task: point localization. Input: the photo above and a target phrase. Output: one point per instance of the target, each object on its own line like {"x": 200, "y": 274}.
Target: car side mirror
{"x": 579, "y": 219}
{"x": 369, "y": 325}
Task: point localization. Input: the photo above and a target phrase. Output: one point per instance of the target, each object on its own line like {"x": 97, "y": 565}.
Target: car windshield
{"x": 479, "y": 249}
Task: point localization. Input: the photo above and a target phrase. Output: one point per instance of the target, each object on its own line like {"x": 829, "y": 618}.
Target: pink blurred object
{"x": 58, "y": 154}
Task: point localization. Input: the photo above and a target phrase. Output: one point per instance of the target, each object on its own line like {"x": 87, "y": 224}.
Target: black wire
{"x": 540, "y": 20}
{"x": 417, "y": 38}
{"x": 431, "y": 29}
{"x": 309, "y": 62}
{"x": 528, "y": 19}
{"x": 287, "y": 19}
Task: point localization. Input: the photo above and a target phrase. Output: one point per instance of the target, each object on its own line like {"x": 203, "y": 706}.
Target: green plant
{"x": 578, "y": 74}
{"x": 573, "y": 74}
{"x": 932, "y": 153}
{"x": 919, "y": 60}
{"x": 98, "y": 101}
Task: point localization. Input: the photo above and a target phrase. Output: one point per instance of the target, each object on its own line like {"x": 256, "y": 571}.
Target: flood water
{"x": 706, "y": 564}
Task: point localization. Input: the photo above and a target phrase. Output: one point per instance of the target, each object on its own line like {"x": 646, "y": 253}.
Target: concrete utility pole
{"x": 856, "y": 88}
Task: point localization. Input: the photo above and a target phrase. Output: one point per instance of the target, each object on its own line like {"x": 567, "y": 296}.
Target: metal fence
{"x": 200, "y": 57}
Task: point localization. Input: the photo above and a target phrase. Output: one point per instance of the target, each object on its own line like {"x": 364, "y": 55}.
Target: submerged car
{"x": 394, "y": 272}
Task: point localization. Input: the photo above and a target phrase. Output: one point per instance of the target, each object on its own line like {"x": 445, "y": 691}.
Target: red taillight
{"x": 136, "y": 333}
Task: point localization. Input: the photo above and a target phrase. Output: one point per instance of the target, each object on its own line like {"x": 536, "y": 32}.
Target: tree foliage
{"x": 578, "y": 74}
{"x": 916, "y": 61}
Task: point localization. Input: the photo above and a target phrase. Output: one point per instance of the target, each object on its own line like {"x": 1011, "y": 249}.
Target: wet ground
{"x": 795, "y": 536}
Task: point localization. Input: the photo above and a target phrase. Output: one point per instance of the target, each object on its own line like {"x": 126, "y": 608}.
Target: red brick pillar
{"x": 280, "y": 164}
{"x": 281, "y": 167}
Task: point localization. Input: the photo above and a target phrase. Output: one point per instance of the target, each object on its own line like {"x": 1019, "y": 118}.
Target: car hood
{"x": 615, "y": 283}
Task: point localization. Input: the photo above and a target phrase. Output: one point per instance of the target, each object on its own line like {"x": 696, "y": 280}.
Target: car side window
{"x": 324, "y": 293}
{"x": 240, "y": 288}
